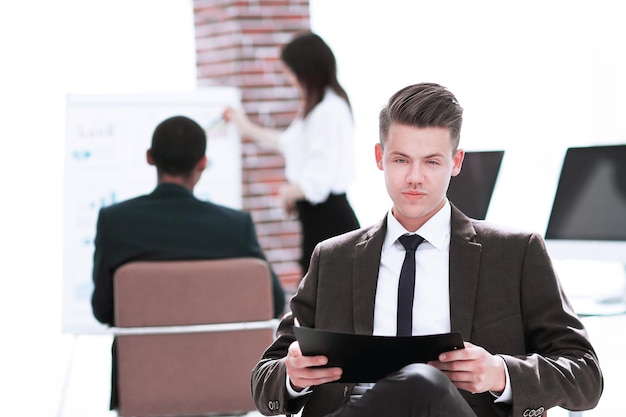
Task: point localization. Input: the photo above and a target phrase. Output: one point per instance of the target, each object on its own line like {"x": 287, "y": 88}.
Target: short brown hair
{"x": 423, "y": 105}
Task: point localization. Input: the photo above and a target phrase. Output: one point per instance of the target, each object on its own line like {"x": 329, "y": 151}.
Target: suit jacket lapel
{"x": 464, "y": 267}
{"x": 366, "y": 263}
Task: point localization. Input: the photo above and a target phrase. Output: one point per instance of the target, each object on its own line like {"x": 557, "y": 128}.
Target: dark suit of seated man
{"x": 170, "y": 223}
{"x": 525, "y": 349}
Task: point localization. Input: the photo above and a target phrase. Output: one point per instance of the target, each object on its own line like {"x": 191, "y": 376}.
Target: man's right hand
{"x": 303, "y": 370}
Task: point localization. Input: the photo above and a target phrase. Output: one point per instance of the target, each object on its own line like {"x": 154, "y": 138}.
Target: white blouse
{"x": 319, "y": 150}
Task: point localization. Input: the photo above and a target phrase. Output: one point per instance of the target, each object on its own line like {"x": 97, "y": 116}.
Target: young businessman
{"x": 525, "y": 349}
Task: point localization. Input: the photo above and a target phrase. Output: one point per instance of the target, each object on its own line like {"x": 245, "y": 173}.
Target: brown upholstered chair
{"x": 188, "y": 334}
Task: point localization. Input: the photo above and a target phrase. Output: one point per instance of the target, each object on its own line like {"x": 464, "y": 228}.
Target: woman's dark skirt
{"x": 321, "y": 221}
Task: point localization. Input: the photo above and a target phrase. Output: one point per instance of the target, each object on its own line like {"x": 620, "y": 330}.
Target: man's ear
{"x": 149, "y": 157}
{"x": 458, "y": 162}
{"x": 378, "y": 151}
{"x": 202, "y": 163}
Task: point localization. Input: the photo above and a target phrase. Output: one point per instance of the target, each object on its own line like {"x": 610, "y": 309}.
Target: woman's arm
{"x": 263, "y": 136}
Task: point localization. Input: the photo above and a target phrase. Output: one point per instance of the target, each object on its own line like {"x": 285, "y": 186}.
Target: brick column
{"x": 238, "y": 44}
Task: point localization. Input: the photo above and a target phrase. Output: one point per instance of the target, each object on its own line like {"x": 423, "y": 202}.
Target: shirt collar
{"x": 172, "y": 189}
{"x": 435, "y": 231}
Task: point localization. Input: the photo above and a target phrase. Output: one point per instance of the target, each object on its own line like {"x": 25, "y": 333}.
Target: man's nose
{"x": 415, "y": 174}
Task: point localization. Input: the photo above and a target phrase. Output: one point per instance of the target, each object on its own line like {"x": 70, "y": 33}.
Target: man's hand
{"x": 473, "y": 369}
{"x": 302, "y": 372}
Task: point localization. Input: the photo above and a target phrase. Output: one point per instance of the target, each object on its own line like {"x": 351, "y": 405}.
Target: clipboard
{"x": 367, "y": 358}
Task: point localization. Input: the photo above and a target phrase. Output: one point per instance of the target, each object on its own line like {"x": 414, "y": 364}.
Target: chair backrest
{"x": 180, "y": 371}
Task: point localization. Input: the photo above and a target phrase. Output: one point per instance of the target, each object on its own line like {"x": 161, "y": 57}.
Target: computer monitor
{"x": 588, "y": 216}
{"x": 586, "y": 233}
{"x": 471, "y": 190}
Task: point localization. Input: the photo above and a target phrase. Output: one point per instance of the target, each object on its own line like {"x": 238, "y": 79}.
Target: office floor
{"x": 85, "y": 386}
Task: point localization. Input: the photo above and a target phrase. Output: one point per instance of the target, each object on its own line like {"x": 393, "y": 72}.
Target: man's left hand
{"x": 473, "y": 369}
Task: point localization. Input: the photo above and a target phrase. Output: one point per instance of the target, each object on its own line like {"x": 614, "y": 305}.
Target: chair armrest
{"x": 195, "y": 328}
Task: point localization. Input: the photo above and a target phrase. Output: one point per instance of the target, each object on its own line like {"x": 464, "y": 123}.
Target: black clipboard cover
{"x": 367, "y": 358}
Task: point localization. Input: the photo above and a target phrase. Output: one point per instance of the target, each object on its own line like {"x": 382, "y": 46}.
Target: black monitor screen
{"x": 590, "y": 200}
{"x": 471, "y": 190}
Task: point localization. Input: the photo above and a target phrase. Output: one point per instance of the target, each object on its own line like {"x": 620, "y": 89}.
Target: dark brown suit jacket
{"x": 504, "y": 296}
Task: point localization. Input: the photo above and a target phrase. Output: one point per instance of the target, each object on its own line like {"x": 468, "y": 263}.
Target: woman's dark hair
{"x": 313, "y": 63}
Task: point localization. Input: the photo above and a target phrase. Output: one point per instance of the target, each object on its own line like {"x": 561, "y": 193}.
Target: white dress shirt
{"x": 431, "y": 305}
{"x": 319, "y": 149}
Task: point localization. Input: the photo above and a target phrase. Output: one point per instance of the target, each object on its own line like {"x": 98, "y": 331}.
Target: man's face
{"x": 417, "y": 164}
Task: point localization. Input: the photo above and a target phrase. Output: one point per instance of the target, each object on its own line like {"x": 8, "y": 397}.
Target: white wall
{"x": 49, "y": 49}
{"x": 533, "y": 77}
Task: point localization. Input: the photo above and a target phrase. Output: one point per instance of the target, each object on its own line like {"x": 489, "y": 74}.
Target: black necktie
{"x": 406, "y": 286}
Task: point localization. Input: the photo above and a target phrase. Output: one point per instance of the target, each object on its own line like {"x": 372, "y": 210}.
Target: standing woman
{"x": 318, "y": 145}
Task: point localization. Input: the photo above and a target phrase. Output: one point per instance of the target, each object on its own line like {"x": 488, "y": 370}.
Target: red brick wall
{"x": 238, "y": 44}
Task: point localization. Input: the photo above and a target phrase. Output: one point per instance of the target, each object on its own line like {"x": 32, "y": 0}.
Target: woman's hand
{"x": 263, "y": 136}
{"x": 236, "y": 116}
{"x": 288, "y": 195}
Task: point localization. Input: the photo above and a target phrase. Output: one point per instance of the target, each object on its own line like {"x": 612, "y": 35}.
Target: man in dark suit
{"x": 170, "y": 223}
{"x": 525, "y": 349}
